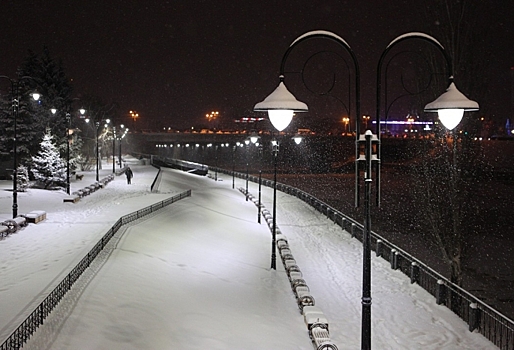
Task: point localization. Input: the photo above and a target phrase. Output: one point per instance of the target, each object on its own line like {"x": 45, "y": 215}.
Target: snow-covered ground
{"x": 196, "y": 275}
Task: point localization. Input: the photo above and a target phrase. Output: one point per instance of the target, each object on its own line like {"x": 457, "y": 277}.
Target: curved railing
{"x": 36, "y": 318}
{"x": 480, "y": 317}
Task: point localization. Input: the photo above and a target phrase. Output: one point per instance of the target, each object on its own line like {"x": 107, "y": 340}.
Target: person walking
{"x": 129, "y": 174}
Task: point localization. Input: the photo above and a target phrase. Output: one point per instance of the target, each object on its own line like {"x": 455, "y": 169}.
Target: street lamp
{"x": 366, "y": 120}
{"x": 134, "y": 115}
{"x": 98, "y": 160}
{"x": 247, "y": 143}
{"x": 69, "y": 134}
{"x": 120, "y": 137}
{"x": 254, "y": 140}
{"x": 297, "y": 139}
{"x": 346, "y": 121}
{"x": 15, "y": 84}
{"x": 282, "y": 100}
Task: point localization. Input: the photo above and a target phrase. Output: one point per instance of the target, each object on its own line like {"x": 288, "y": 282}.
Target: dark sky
{"x": 178, "y": 60}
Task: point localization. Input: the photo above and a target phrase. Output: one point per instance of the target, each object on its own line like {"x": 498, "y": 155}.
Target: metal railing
{"x": 479, "y": 316}
{"x": 27, "y": 328}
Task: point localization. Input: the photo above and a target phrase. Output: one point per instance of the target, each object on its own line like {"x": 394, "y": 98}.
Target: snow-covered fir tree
{"x": 48, "y": 168}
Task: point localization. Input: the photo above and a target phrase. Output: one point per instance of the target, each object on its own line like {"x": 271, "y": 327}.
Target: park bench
{"x": 35, "y": 216}
{"x": 321, "y": 338}
{"x": 303, "y": 297}
{"x": 313, "y": 315}
{"x": 4, "y": 231}
{"x": 71, "y": 199}
{"x": 14, "y": 225}
{"x": 295, "y": 275}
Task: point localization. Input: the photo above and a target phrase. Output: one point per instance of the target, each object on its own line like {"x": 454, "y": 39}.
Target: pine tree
{"x": 49, "y": 169}
{"x": 47, "y": 77}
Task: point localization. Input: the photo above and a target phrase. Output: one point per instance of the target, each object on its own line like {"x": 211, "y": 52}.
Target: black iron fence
{"x": 27, "y": 328}
{"x": 479, "y": 316}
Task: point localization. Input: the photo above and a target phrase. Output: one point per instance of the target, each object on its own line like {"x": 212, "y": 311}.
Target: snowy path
{"x": 195, "y": 276}
{"x": 211, "y": 258}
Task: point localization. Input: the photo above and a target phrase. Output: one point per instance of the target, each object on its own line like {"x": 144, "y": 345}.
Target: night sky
{"x": 175, "y": 61}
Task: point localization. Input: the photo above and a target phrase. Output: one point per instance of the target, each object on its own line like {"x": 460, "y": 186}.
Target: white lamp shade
{"x": 451, "y": 106}
{"x": 280, "y": 118}
{"x": 280, "y": 105}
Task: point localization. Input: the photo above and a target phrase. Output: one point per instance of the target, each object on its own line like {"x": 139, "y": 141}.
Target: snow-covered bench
{"x": 313, "y": 315}
{"x": 35, "y": 216}
{"x": 71, "y": 199}
{"x": 14, "y": 225}
{"x": 303, "y": 296}
{"x": 4, "y": 231}
{"x": 321, "y": 338}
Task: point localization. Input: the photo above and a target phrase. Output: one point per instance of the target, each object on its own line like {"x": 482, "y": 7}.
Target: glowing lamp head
{"x": 280, "y": 118}
{"x": 36, "y": 96}
{"x": 451, "y": 106}
{"x": 450, "y": 118}
{"x": 298, "y": 139}
{"x": 281, "y": 106}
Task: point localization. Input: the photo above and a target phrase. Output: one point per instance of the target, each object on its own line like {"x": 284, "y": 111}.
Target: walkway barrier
{"x": 29, "y": 326}
{"x": 480, "y": 317}
{"x": 190, "y": 167}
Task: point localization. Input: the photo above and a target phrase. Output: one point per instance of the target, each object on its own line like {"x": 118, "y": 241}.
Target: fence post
{"x": 393, "y": 259}
{"x": 474, "y": 316}
{"x": 440, "y": 293}
{"x": 414, "y": 272}
{"x": 352, "y": 230}
{"x": 378, "y": 249}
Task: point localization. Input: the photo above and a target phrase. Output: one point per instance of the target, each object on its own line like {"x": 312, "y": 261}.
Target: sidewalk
{"x": 196, "y": 275}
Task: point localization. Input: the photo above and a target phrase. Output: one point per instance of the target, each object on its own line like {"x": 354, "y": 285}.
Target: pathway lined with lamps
{"x": 315, "y": 319}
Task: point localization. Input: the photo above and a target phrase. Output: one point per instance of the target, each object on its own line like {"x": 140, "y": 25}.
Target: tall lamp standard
{"x": 15, "y": 99}
{"x": 234, "y": 163}
{"x": 254, "y": 140}
{"x": 448, "y": 105}
{"x": 120, "y": 137}
{"x": 247, "y": 143}
{"x": 280, "y": 105}
{"x": 97, "y": 126}
{"x": 69, "y": 133}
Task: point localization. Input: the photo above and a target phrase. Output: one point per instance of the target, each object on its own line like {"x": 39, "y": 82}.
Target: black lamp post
{"x": 282, "y": 101}
{"x": 234, "y": 164}
{"x": 15, "y": 109}
{"x": 98, "y": 159}
{"x": 216, "y": 162}
{"x": 97, "y": 125}
{"x": 247, "y": 143}
{"x": 68, "y": 141}
{"x": 113, "y": 149}
{"x": 68, "y": 127}
{"x": 274, "y": 145}
{"x": 121, "y": 135}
